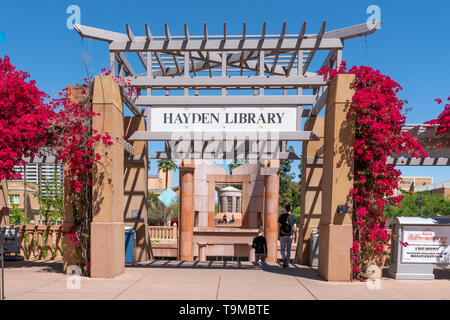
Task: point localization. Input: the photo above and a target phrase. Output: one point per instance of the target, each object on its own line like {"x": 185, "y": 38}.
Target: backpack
{"x": 286, "y": 228}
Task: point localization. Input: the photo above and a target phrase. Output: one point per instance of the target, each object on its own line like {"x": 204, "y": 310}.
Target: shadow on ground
{"x": 293, "y": 270}
{"x": 442, "y": 273}
{"x": 41, "y": 266}
{"x": 296, "y": 270}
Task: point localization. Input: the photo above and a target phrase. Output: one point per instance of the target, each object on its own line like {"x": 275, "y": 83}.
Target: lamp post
{"x": 419, "y": 201}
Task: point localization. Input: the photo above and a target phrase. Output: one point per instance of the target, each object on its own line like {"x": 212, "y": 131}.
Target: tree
{"x": 165, "y": 165}
{"x": 158, "y": 213}
{"x": 24, "y": 118}
{"x": 286, "y": 194}
{"x": 433, "y": 205}
{"x": 236, "y": 163}
{"x": 16, "y": 216}
{"x": 51, "y": 200}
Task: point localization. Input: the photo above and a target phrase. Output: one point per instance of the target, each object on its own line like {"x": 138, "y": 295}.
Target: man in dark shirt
{"x": 288, "y": 228}
{"x": 260, "y": 246}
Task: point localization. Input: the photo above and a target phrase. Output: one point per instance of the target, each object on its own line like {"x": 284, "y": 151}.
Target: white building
{"x": 42, "y": 174}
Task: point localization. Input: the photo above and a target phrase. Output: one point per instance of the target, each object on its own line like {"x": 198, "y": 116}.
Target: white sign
{"x": 223, "y": 119}
{"x": 426, "y": 244}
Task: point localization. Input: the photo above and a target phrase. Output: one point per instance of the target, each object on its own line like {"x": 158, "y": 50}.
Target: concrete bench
{"x": 203, "y": 245}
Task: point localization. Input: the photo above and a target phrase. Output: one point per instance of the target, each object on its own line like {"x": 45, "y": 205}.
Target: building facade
{"x": 406, "y": 183}
{"x": 43, "y": 175}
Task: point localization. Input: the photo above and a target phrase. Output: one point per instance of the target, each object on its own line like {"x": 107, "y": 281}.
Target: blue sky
{"x": 412, "y": 45}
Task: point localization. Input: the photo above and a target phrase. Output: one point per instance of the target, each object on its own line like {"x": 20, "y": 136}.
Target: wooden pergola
{"x": 208, "y": 70}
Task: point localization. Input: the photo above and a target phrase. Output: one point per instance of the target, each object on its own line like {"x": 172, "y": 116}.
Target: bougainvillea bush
{"x": 74, "y": 141}
{"x": 443, "y": 120}
{"x": 27, "y": 123}
{"x": 375, "y": 111}
{"x": 24, "y": 118}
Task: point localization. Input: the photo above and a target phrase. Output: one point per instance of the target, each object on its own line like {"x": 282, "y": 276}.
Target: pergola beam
{"x": 287, "y": 100}
{"x": 320, "y": 103}
{"x": 139, "y": 54}
{"x": 294, "y": 54}
{"x": 353, "y": 31}
{"x": 122, "y": 60}
{"x": 279, "y": 44}
{"x": 223, "y": 136}
{"x": 419, "y": 161}
{"x": 230, "y": 81}
{"x": 229, "y": 45}
{"x": 343, "y": 33}
{"x": 316, "y": 47}
{"x": 283, "y": 155}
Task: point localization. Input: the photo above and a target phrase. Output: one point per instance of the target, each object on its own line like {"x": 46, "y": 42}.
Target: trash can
{"x": 314, "y": 248}
{"x": 130, "y": 244}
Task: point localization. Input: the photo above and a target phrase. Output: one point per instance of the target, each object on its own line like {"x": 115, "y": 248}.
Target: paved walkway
{"x": 172, "y": 280}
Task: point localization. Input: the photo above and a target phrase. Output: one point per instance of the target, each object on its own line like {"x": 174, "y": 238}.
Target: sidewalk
{"x": 173, "y": 280}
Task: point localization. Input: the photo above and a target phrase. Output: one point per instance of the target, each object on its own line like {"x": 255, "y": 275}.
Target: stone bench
{"x": 203, "y": 245}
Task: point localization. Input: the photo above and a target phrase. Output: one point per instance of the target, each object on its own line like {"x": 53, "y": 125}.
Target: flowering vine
{"x": 443, "y": 120}
{"x": 27, "y": 123}
{"x": 375, "y": 111}
{"x": 74, "y": 141}
{"x": 24, "y": 119}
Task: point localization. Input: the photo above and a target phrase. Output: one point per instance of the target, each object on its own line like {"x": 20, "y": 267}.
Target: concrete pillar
{"x": 107, "y": 229}
{"x": 233, "y": 204}
{"x": 311, "y": 194}
{"x": 186, "y": 237}
{"x": 136, "y": 188}
{"x": 69, "y": 253}
{"x": 4, "y": 208}
{"x": 251, "y": 254}
{"x": 335, "y": 231}
{"x": 202, "y": 251}
{"x": 272, "y": 191}
{"x": 224, "y": 203}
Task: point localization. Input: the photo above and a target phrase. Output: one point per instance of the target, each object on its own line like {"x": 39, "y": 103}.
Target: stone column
{"x": 186, "y": 237}
{"x": 202, "y": 251}
{"x": 224, "y": 203}
{"x": 69, "y": 252}
{"x": 311, "y": 194}
{"x": 272, "y": 191}
{"x": 136, "y": 187}
{"x": 335, "y": 231}
{"x": 107, "y": 229}
{"x": 233, "y": 204}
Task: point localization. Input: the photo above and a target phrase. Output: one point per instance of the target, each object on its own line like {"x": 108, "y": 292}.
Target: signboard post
{"x": 2, "y": 254}
{"x": 427, "y": 246}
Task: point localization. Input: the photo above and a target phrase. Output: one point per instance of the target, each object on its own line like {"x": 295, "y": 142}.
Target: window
{"x": 237, "y": 204}
{"x": 196, "y": 219}
{"x": 229, "y": 204}
{"x": 15, "y": 199}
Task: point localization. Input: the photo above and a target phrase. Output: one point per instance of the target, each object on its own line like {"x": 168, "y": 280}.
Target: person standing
{"x": 260, "y": 246}
{"x": 287, "y": 223}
